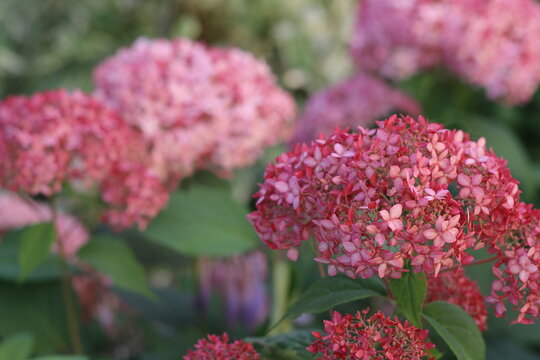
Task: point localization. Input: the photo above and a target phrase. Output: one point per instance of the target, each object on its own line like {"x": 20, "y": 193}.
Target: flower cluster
{"x": 56, "y": 136}
{"x": 196, "y": 105}
{"x": 491, "y": 44}
{"x": 457, "y": 288}
{"x": 219, "y": 348}
{"x": 17, "y": 212}
{"x": 369, "y": 338}
{"x": 357, "y": 101}
{"x": 240, "y": 282}
{"x": 406, "y": 191}
{"x": 398, "y": 39}
{"x": 517, "y": 270}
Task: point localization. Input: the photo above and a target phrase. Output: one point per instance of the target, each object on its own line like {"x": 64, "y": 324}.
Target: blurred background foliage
{"x": 56, "y": 43}
{"x": 48, "y": 44}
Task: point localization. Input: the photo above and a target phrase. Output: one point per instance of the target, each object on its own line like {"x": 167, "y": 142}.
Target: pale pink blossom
{"x": 445, "y": 231}
{"x": 197, "y": 106}
{"x": 488, "y": 43}
{"x": 357, "y": 101}
{"x": 392, "y": 217}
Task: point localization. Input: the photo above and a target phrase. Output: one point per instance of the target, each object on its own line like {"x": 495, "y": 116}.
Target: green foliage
{"x": 409, "y": 291}
{"x": 288, "y": 346}
{"x": 457, "y": 329}
{"x": 330, "y": 292}
{"x": 504, "y": 350}
{"x": 203, "y": 221}
{"x": 35, "y": 308}
{"x": 10, "y": 267}
{"x": 17, "y": 347}
{"x": 36, "y": 241}
{"x": 114, "y": 258}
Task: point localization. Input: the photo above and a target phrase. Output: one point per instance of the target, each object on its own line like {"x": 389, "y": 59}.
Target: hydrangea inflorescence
{"x": 376, "y": 337}
{"x": 357, "y": 101}
{"x": 197, "y": 106}
{"x": 492, "y": 44}
{"x": 219, "y": 348}
{"x": 406, "y": 191}
{"x": 54, "y": 137}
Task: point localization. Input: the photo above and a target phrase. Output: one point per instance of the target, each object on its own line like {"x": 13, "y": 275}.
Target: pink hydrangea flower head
{"x": 163, "y": 88}
{"x": 364, "y": 337}
{"x": 240, "y": 282}
{"x": 357, "y": 101}
{"x": 397, "y": 39}
{"x": 367, "y": 198}
{"x": 408, "y": 190}
{"x": 195, "y": 104}
{"x": 457, "y": 288}
{"x": 216, "y": 347}
{"x": 17, "y": 212}
{"x": 56, "y": 136}
{"x": 51, "y": 137}
{"x": 491, "y": 44}
{"x": 259, "y": 114}
{"x": 517, "y": 270}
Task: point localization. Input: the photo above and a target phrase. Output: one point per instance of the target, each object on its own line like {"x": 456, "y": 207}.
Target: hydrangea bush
{"x": 128, "y": 229}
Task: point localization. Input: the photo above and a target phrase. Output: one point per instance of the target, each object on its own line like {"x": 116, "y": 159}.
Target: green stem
{"x": 281, "y": 280}
{"x": 71, "y": 313}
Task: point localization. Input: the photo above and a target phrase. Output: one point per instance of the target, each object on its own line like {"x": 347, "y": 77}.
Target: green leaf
{"x": 10, "y": 269}
{"x": 35, "y": 308}
{"x": 287, "y": 346}
{"x": 457, "y": 329}
{"x": 503, "y": 349}
{"x": 203, "y": 221}
{"x": 330, "y": 292}
{"x": 115, "y": 259}
{"x": 17, "y": 347}
{"x": 409, "y": 291}
{"x": 36, "y": 242}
